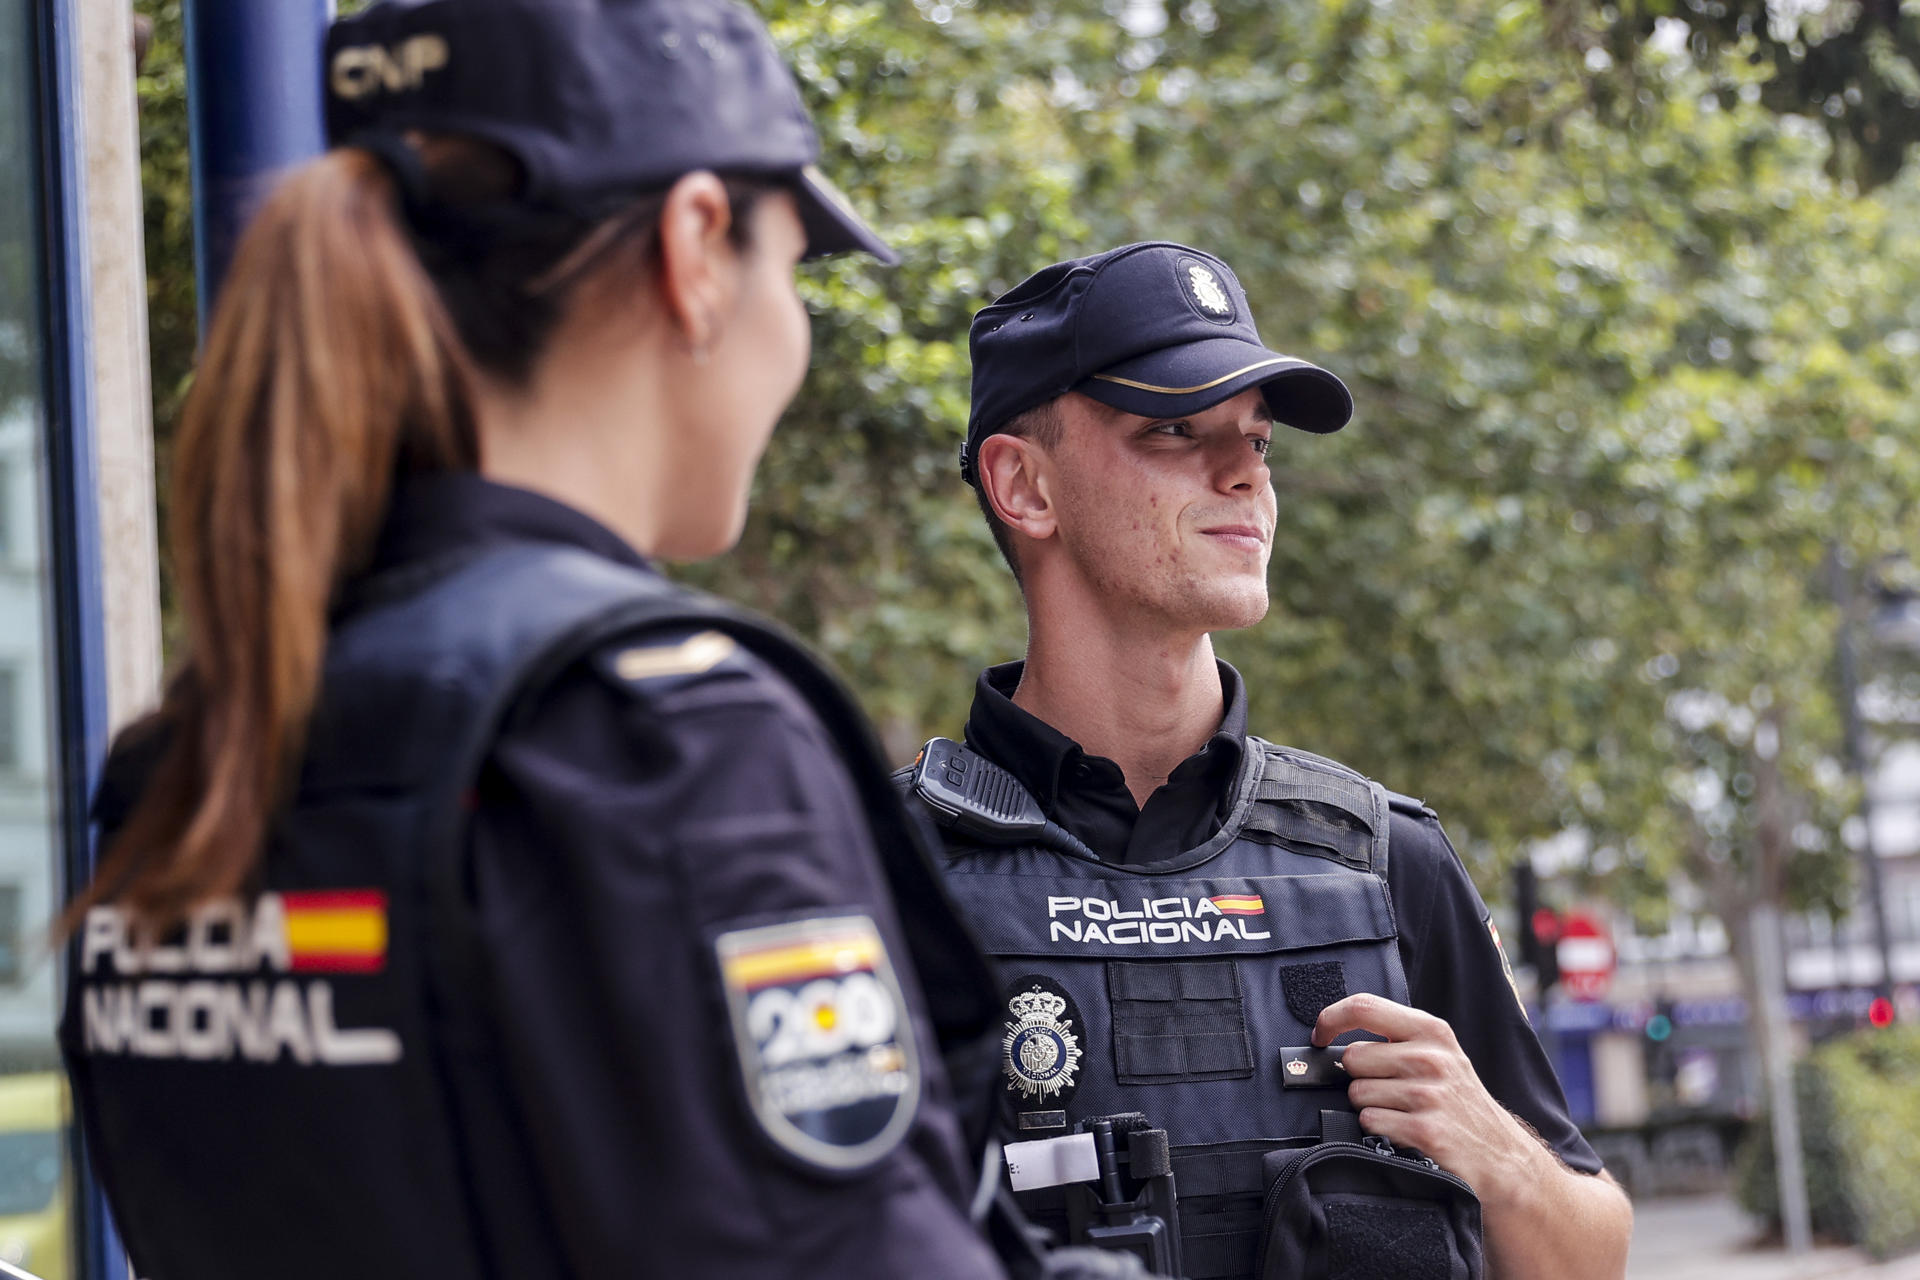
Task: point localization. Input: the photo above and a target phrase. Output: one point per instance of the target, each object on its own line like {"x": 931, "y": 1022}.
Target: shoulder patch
{"x": 823, "y": 1038}
{"x": 1506, "y": 965}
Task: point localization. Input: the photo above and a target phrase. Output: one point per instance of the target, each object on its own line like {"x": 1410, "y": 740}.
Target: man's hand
{"x": 1419, "y": 1090}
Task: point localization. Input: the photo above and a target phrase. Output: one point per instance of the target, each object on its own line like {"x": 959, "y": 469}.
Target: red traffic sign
{"x": 1586, "y": 956}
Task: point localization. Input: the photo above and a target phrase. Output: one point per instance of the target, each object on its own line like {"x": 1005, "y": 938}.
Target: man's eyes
{"x": 1184, "y": 429}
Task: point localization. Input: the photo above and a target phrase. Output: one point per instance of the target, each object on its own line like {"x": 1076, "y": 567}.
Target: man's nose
{"x": 1240, "y": 468}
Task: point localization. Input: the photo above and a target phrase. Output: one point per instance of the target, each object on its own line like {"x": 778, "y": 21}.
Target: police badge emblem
{"x": 1205, "y": 290}
{"x": 1040, "y": 1053}
{"x": 823, "y": 1037}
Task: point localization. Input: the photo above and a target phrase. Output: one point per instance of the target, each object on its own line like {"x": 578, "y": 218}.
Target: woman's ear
{"x": 1015, "y": 478}
{"x": 697, "y": 277}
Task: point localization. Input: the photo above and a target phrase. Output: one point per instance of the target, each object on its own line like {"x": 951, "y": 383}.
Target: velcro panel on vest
{"x": 1369, "y": 1240}
{"x": 1178, "y": 1020}
{"x": 1311, "y": 988}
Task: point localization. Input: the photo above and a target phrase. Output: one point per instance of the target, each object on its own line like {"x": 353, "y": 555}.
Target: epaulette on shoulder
{"x": 663, "y": 662}
{"x": 1408, "y": 805}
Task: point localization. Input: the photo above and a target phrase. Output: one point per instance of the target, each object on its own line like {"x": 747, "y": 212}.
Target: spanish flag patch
{"x": 336, "y": 930}
{"x": 1239, "y": 904}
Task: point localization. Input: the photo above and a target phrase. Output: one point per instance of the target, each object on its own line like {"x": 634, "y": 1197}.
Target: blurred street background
{"x": 1615, "y": 566}
{"x": 1709, "y": 1238}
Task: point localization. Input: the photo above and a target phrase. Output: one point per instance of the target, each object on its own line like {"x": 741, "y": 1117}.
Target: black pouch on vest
{"x": 1361, "y": 1211}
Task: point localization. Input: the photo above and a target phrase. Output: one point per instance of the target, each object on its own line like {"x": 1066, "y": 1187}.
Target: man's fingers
{"x": 1417, "y": 1059}
{"x": 1371, "y": 1058}
{"x": 1367, "y": 1012}
{"x": 1393, "y": 1094}
{"x": 1401, "y": 1128}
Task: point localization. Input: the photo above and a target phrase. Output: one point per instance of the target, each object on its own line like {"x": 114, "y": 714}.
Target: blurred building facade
{"x": 1660, "y": 1069}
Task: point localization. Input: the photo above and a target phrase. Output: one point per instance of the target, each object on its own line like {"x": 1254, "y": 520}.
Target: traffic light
{"x": 1662, "y": 1063}
{"x": 1539, "y": 929}
{"x": 1880, "y": 1012}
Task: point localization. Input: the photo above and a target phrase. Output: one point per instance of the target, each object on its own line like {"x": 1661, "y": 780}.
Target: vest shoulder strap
{"x": 1322, "y": 807}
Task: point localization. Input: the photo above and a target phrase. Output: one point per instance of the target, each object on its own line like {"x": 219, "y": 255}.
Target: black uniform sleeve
{"x": 643, "y": 813}
{"x": 1456, "y": 970}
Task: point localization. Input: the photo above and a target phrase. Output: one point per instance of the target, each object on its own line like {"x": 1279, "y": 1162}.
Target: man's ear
{"x": 1015, "y": 477}
{"x": 696, "y": 281}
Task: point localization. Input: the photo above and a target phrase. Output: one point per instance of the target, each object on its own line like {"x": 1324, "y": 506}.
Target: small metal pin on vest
{"x": 1305, "y": 1067}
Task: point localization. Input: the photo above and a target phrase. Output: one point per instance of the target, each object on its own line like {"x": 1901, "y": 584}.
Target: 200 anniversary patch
{"x": 823, "y": 1038}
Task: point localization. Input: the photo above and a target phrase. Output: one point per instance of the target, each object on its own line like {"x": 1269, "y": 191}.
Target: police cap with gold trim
{"x": 598, "y": 100}
{"x": 1158, "y": 329}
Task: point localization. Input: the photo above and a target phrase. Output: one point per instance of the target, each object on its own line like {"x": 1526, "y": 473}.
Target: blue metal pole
{"x": 75, "y": 579}
{"x": 254, "y": 110}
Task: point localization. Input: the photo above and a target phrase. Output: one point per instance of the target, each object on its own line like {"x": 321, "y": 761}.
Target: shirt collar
{"x": 1040, "y": 756}
{"x": 436, "y": 512}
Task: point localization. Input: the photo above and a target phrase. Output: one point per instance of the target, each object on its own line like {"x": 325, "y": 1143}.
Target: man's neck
{"x": 1144, "y": 701}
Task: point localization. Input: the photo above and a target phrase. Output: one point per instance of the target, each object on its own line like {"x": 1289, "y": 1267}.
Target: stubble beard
{"x": 1176, "y": 595}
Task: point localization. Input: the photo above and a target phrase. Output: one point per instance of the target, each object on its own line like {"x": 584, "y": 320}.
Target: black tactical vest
{"x": 297, "y": 1085}
{"x": 1187, "y": 989}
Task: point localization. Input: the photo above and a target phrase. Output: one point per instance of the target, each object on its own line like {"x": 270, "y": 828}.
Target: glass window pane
{"x": 35, "y": 1195}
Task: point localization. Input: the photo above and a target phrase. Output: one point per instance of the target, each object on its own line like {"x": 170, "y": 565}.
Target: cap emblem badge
{"x": 1040, "y": 1053}
{"x": 1207, "y": 291}
{"x": 359, "y": 71}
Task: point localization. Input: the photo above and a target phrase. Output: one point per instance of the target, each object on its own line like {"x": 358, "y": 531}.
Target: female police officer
{"x": 477, "y": 903}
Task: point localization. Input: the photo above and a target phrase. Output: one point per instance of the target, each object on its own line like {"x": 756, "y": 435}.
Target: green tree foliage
{"x": 172, "y": 297}
{"x": 20, "y": 351}
{"x": 1855, "y": 67}
{"x": 1860, "y": 1119}
{"x": 1627, "y": 369}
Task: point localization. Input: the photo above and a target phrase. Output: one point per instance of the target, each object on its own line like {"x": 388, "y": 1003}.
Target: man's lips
{"x": 1246, "y": 536}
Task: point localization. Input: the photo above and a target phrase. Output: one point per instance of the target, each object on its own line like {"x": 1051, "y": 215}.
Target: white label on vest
{"x": 1052, "y": 1162}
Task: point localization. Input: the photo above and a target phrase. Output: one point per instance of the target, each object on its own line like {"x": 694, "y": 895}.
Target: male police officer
{"x": 1200, "y": 911}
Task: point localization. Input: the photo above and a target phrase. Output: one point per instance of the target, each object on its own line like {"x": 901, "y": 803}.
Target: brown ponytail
{"x": 331, "y": 361}
{"x": 344, "y": 349}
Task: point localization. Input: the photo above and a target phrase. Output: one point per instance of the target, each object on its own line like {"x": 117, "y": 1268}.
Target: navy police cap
{"x": 597, "y": 99}
{"x": 1156, "y": 329}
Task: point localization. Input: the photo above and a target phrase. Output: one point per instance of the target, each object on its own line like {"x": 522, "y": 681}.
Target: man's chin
{"x": 1229, "y": 609}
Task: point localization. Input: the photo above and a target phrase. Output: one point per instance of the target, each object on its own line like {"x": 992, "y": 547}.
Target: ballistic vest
{"x": 300, "y": 1085}
{"x": 1187, "y": 989}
